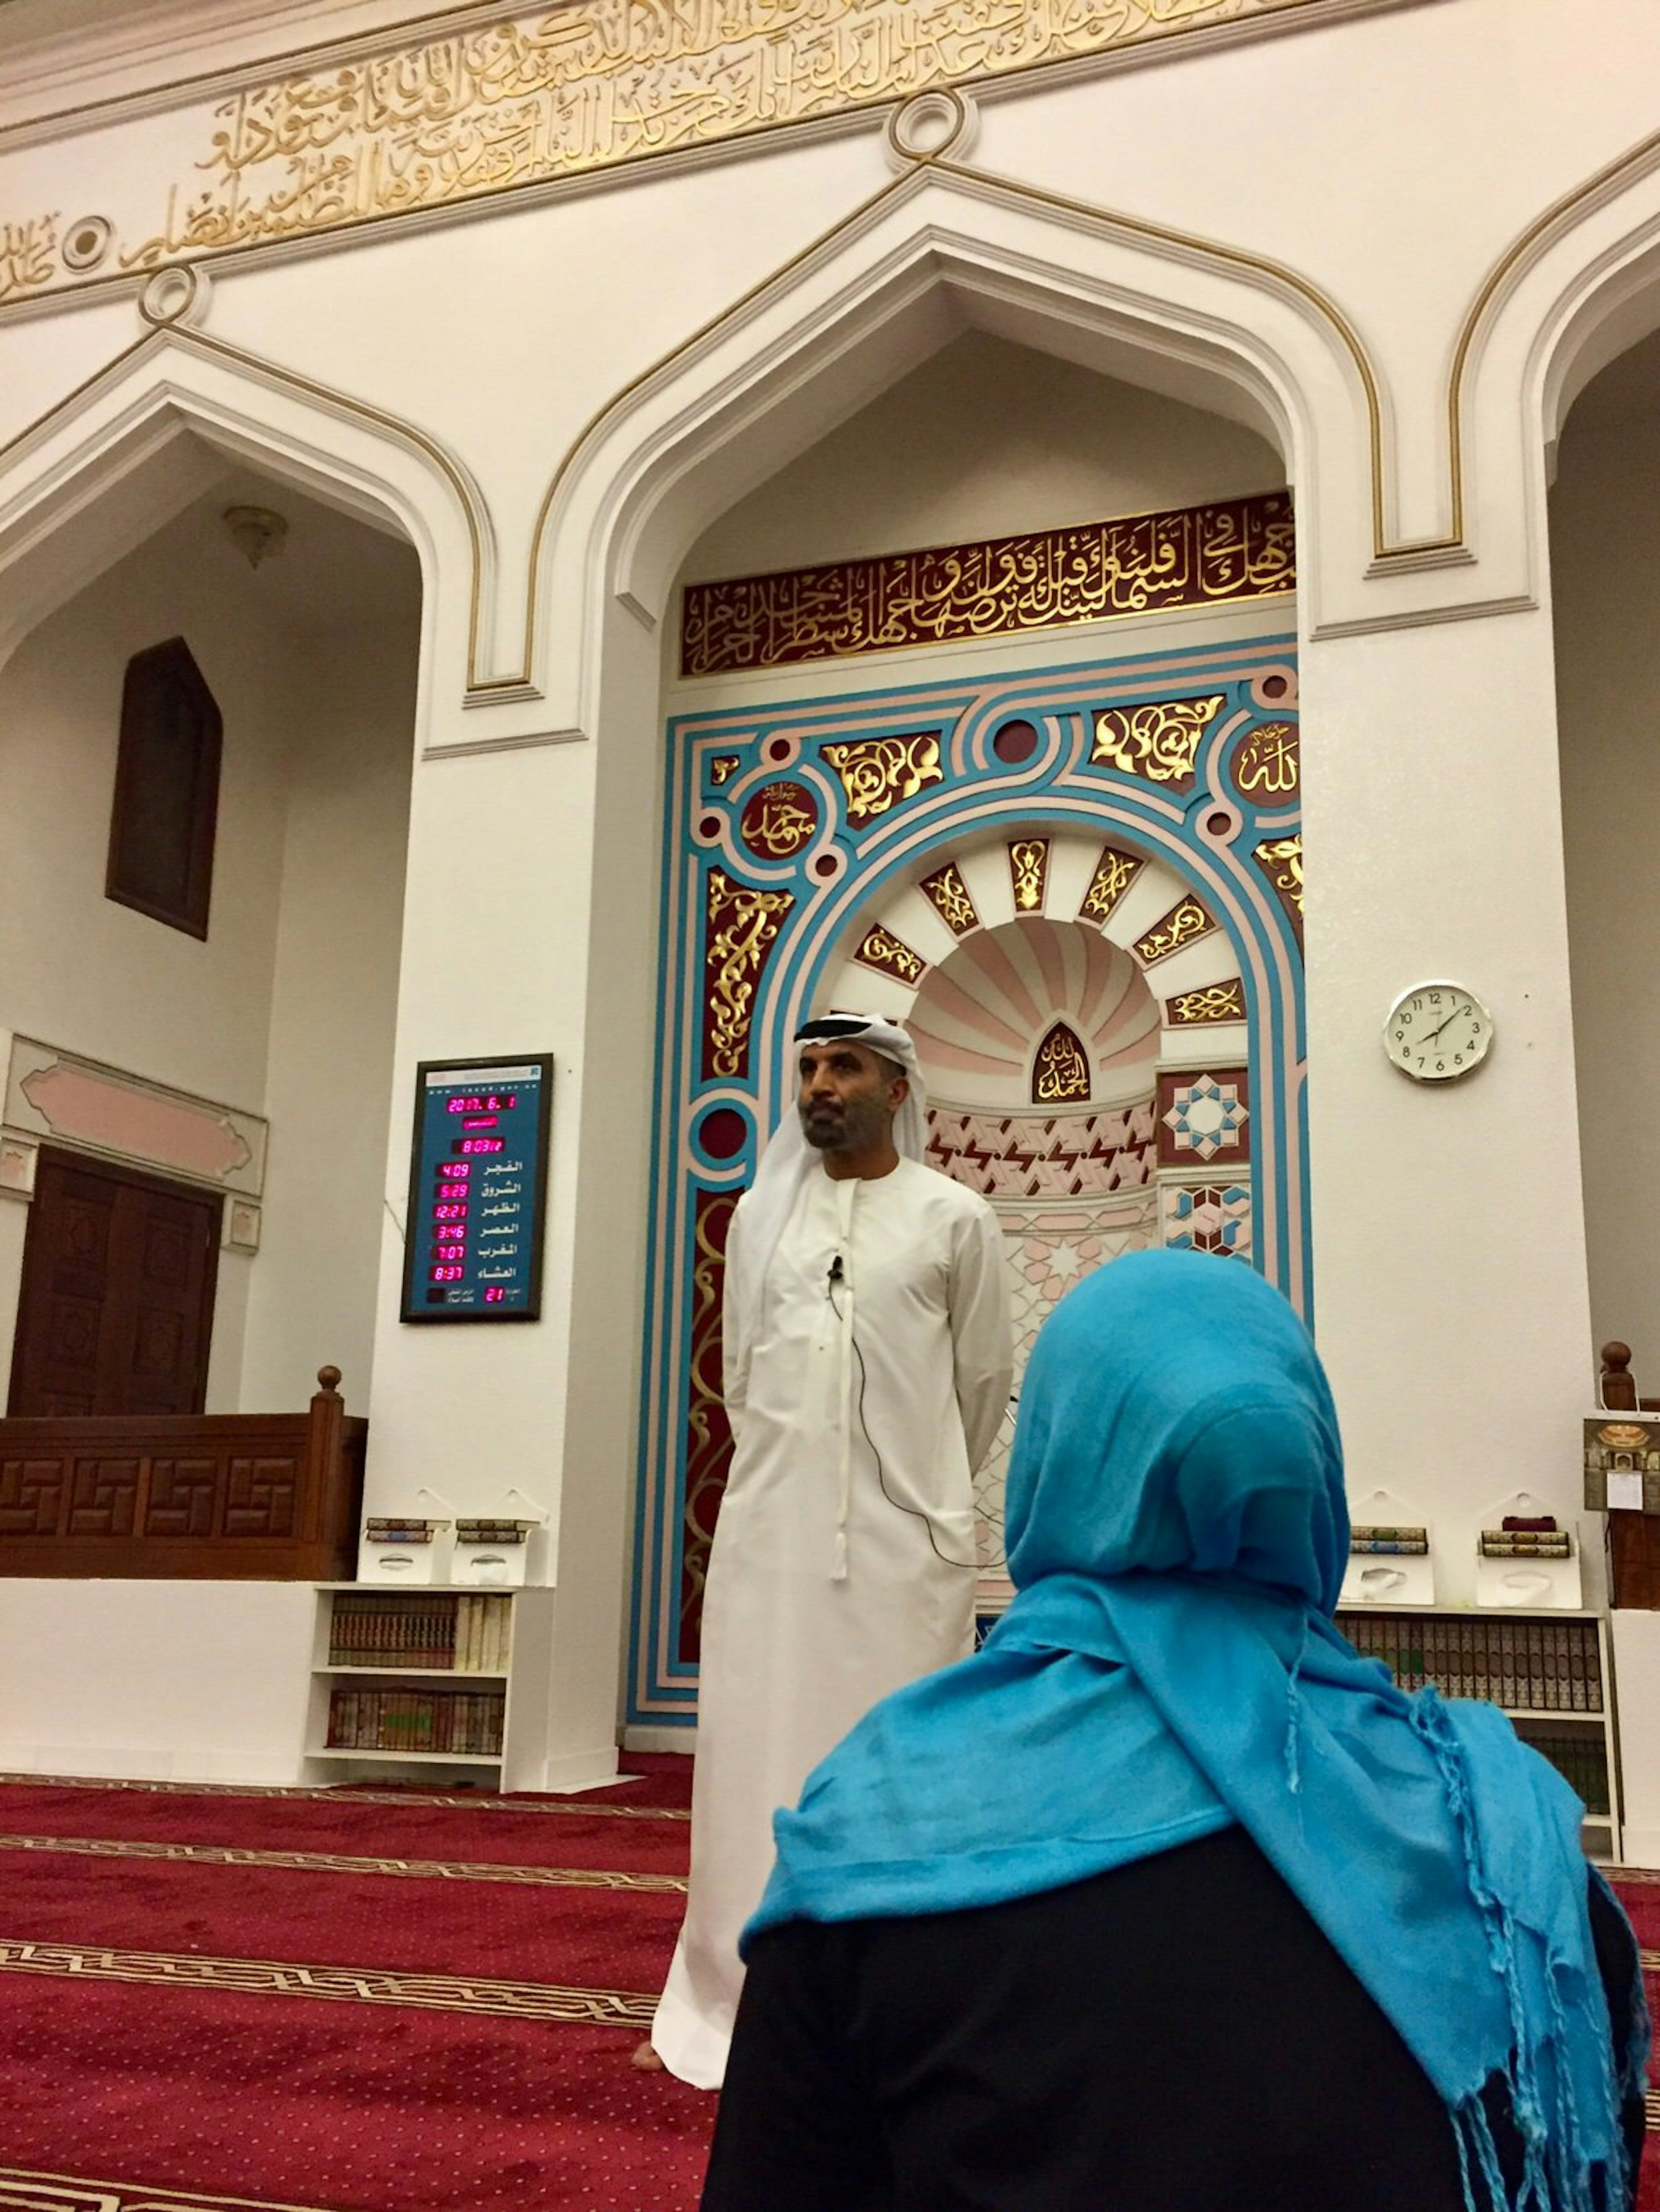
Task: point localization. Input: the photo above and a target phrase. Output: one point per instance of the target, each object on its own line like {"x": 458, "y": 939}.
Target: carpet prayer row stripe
{"x": 65, "y": 2192}
{"x": 338, "y": 1862}
{"x": 474, "y": 1994}
{"x": 581, "y": 1808}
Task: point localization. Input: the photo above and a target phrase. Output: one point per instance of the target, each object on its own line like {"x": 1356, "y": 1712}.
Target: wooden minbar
{"x": 205, "y": 1496}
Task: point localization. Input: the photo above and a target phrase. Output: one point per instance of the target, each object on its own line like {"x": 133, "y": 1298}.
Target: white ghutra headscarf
{"x": 789, "y": 1160}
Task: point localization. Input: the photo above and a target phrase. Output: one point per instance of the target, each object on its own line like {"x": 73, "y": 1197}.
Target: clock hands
{"x": 1436, "y": 1032}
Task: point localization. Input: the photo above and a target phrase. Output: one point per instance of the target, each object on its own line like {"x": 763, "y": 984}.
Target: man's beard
{"x": 861, "y": 1124}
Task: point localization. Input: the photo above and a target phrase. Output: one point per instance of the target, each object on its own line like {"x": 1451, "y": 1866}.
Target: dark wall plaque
{"x": 479, "y": 1189}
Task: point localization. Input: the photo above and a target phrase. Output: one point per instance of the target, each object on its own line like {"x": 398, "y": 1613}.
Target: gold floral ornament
{"x": 950, "y": 895}
{"x": 1186, "y": 922}
{"x": 891, "y": 955}
{"x": 1061, "y": 1073}
{"x": 722, "y": 768}
{"x": 1216, "y": 1002}
{"x": 1029, "y": 867}
{"x": 779, "y": 820}
{"x": 1115, "y": 872}
{"x": 877, "y": 773}
{"x": 1266, "y": 764}
{"x": 1160, "y": 741}
{"x": 739, "y": 927}
{"x": 1282, "y": 858}
{"x": 1133, "y": 564}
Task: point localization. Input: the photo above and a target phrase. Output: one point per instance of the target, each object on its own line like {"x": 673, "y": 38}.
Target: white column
{"x": 1450, "y": 1296}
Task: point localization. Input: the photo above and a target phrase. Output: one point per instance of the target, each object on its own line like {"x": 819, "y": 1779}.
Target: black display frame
{"x": 420, "y": 1169}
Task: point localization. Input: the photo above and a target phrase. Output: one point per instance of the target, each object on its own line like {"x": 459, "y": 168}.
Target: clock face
{"x": 1438, "y": 1031}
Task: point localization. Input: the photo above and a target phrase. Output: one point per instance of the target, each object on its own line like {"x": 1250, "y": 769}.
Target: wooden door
{"x": 116, "y": 1314}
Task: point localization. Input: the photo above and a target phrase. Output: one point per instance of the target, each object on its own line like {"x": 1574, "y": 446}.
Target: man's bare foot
{"x": 647, "y": 2059}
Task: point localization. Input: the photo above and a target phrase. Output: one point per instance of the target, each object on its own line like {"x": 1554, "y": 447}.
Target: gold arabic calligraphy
{"x": 1268, "y": 761}
{"x": 1061, "y": 1073}
{"x": 558, "y": 93}
{"x": 1243, "y": 549}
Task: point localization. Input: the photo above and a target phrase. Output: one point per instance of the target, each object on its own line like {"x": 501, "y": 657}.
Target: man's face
{"x": 847, "y": 1096}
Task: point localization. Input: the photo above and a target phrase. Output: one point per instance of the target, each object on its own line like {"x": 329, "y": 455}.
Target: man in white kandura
{"x": 868, "y": 1356}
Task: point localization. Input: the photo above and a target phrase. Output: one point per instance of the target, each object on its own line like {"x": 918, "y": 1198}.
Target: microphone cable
{"x": 838, "y": 1274}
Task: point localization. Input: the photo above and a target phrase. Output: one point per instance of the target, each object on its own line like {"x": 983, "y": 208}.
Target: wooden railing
{"x": 209, "y": 1497}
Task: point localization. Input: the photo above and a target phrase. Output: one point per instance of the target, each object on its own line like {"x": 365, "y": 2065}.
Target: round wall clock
{"x": 1438, "y": 1031}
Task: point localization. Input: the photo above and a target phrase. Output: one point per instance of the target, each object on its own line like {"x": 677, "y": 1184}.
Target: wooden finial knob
{"x": 1616, "y": 1358}
{"x": 329, "y": 1377}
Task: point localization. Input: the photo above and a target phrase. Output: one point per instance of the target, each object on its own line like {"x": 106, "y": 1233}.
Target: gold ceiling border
{"x": 543, "y": 97}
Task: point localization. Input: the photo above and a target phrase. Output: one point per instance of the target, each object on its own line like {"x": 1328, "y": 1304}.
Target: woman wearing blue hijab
{"x": 1166, "y": 1900}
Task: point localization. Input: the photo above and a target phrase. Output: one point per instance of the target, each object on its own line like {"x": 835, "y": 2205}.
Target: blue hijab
{"x": 1178, "y": 1535}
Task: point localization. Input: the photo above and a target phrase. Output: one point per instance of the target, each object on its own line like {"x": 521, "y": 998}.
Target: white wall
{"x": 286, "y": 1008}
{"x": 1605, "y": 576}
{"x": 985, "y": 439}
{"x": 99, "y": 978}
{"x": 312, "y": 1292}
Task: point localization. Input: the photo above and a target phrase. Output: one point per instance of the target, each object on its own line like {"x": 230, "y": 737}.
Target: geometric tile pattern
{"x": 1207, "y": 1218}
{"x": 340, "y": 1862}
{"x": 1047, "y": 1249}
{"x": 1044, "y": 1155}
{"x": 479, "y": 1995}
{"x": 1200, "y": 1115}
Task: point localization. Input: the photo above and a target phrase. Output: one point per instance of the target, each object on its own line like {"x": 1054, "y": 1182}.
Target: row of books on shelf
{"x": 1578, "y": 1756}
{"x": 466, "y": 1722}
{"x": 1538, "y": 1665}
{"x": 459, "y": 1630}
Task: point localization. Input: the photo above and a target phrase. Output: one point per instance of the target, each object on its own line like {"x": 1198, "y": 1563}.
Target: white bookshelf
{"x": 1596, "y": 1726}
{"x": 516, "y": 1682}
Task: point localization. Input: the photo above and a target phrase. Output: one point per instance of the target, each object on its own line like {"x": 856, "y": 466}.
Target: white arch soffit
{"x": 720, "y": 418}
{"x": 1569, "y": 296}
{"x": 94, "y": 477}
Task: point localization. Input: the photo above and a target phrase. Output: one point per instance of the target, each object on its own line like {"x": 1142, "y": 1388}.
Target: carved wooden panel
{"x": 104, "y": 1497}
{"x": 260, "y": 1497}
{"x": 32, "y": 1495}
{"x": 184, "y": 1496}
{"x": 270, "y": 1496}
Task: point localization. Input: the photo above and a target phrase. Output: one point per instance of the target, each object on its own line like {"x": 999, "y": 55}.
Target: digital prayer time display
{"x": 477, "y": 1189}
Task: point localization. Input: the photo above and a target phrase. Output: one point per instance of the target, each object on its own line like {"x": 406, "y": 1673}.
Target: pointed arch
{"x": 115, "y": 457}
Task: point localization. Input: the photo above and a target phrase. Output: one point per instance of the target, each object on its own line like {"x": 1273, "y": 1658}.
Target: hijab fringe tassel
{"x": 1556, "y": 2175}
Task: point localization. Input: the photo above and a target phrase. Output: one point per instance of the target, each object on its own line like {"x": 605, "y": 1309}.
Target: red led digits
{"x": 494, "y": 1296}
{"x": 477, "y": 1143}
{"x": 445, "y": 1274}
{"x": 449, "y": 1214}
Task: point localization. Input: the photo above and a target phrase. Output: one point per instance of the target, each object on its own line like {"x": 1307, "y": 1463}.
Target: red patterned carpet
{"x": 357, "y": 2000}
{"x": 345, "y": 2001}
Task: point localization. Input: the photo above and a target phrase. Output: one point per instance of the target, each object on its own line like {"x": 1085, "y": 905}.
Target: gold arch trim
{"x": 1555, "y": 222}
{"x": 475, "y": 514}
